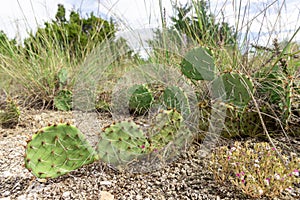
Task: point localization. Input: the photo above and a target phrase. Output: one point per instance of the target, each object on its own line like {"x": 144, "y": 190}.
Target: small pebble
{"x": 105, "y": 183}
{"x": 66, "y": 194}
{"x": 6, "y": 193}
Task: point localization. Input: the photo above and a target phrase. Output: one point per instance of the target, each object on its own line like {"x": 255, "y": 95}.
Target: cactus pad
{"x": 121, "y": 143}
{"x": 198, "y": 64}
{"x": 141, "y": 99}
{"x": 174, "y": 97}
{"x": 166, "y": 128}
{"x": 56, "y": 150}
{"x": 238, "y": 88}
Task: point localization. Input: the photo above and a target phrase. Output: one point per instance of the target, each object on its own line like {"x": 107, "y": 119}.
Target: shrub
{"x": 256, "y": 169}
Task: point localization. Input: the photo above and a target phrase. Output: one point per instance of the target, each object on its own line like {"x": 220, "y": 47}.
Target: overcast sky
{"x": 17, "y": 17}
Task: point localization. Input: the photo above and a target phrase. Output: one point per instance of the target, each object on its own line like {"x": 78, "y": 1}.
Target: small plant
{"x": 256, "y": 169}
{"x": 63, "y": 100}
{"x": 62, "y": 78}
{"x": 9, "y": 117}
{"x": 103, "y": 101}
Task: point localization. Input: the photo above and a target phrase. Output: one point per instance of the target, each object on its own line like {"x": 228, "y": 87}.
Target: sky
{"x": 18, "y": 17}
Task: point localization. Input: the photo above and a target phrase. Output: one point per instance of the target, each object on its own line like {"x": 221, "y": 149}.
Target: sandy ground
{"x": 185, "y": 178}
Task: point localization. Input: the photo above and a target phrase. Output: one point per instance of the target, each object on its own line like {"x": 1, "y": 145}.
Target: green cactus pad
{"x": 56, "y": 150}
{"x": 238, "y": 88}
{"x": 174, "y": 97}
{"x": 166, "y": 128}
{"x": 121, "y": 143}
{"x": 141, "y": 99}
{"x": 198, "y": 64}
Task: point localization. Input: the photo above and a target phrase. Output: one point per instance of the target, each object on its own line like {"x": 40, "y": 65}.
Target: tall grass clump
{"x": 33, "y": 69}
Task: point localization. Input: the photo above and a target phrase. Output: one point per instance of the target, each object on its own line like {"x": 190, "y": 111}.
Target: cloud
{"x": 264, "y": 20}
{"x": 18, "y": 17}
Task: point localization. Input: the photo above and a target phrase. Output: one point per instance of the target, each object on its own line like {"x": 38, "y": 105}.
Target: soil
{"x": 186, "y": 178}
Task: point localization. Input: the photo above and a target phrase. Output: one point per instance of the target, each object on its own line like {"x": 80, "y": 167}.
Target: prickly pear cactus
{"x": 174, "y": 98}
{"x": 141, "y": 99}
{"x": 271, "y": 84}
{"x": 241, "y": 123}
{"x": 238, "y": 88}
{"x": 278, "y": 88}
{"x": 198, "y": 64}
{"x": 165, "y": 129}
{"x": 121, "y": 143}
{"x": 56, "y": 150}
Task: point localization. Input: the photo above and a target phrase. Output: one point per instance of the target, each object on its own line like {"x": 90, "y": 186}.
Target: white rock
{"x": 6, "y": 193}
{"x": 5, "y": 198}
{"x": 105, "y": 183}
{"x": 22, "y": 197}
{"x": 66, "y": 194}
{"x": 106, "y": 196}
{"x": 6, "y": 174}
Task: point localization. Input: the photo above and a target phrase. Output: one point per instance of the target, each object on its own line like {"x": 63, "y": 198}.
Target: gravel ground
{"x": 185, "y": 178}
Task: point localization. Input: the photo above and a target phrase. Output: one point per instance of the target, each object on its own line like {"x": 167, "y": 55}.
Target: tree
{"x": 201, "y": 27}
{"x": 61, "y": 14}
{"x": 7, "y": 47}
{"x": 77, "y": 36}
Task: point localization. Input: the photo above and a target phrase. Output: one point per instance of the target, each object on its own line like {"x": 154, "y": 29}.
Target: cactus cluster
{"x": 234, "y": 88}
{"x": 278, "y": 88}
{"x": 58, "y": 149}
{"x": 169, "y": 97}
